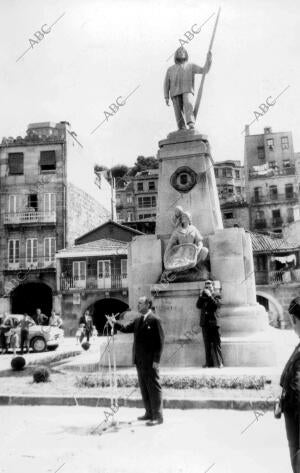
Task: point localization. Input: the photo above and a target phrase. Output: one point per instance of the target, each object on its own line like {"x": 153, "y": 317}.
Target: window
{"x": 118, "y": 199}
{"x": 147, "y": 201}
{"x": 140, "y": 186}
{"x": 260, "y": 215}
{"x": 49, "y": 202}
{"x": 104, "y": 269}
{"x": 284, "y": 142}
{"x": 237, "y": 174}
{"x": 31, "y": 252}
{"x": 228, "y": 215}
{"x": 13, "y": 253}
{"x": 261, "y": 262}
{"x": 129, "y": 199}
{"x": 224, "y": 172}
{"x": 49, "y": 249}
{"x": 276, "y": 217}
{"x": 290, "y": 215}
{"x": 261, "y": 152}
{"x": 151, "y": 186}
{"x": 47, "y": 161}
{"x": 79, "y": 271}
{"x": 286, "y": 163}
{"x": 129, "y": 216}
{"x": 238, "y": 190}
{"x": 15, "y": 163}
{"x": 12, "y": 204}
{"x": 118, "y": 216}
{"x": 228, "y": 172}
{"x": 32, "y": 202}
{"x": 124, "y": 268}
{"x": 270, "y": 143}
{"x": 273, "y": 192}
{"x": 257, "y": 194}
{"x": 230, "y": 190}
{"x": 272, "y": 164}
{"x": 289, "y": 191}
{"x": 216, "y": 172}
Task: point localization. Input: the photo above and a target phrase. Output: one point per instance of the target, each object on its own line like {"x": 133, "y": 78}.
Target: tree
{"x": 119, "y": 170}
{"x": 143, "y": 163}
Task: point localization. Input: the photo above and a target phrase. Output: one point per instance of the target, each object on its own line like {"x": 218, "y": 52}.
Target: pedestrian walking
{"x": 147, "y": 349}
{"x": 209, "y": 303}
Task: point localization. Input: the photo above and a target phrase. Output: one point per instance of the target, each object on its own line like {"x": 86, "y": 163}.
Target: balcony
{"x": 277, "y": 222}
{"x": 113, "y": 280}
{"x": 20, "y": 264}
{"x": 277, "y": 277}
{"x": 273, "y": 172}
{"x": 260, "y": 224}
{"x": 271, "y": 198}
{"x": 29, "y": 217}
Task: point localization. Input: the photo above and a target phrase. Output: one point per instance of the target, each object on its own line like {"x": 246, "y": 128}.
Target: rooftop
{"x": 271, "y": 244}
{"x": 101, "y": 247}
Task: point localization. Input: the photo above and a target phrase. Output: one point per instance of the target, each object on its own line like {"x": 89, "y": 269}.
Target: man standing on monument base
{"x": 179, "y": 85}
{"x": 209, "y": 303}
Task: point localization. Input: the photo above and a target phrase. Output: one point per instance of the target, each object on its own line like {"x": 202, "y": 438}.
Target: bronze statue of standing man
{"x": 179, "y": 85}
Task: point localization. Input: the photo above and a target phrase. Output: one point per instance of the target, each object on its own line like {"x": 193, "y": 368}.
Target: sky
{"x": 99, "y": 52}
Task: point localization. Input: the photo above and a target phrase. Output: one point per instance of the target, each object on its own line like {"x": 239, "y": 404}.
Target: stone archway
{"x": 274, "y": 308}
{"x": 29, "y": 296}
{"x": 105, "y": 306}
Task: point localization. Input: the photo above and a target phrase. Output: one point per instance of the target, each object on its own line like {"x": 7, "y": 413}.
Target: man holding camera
{"x": 209, "y": 303}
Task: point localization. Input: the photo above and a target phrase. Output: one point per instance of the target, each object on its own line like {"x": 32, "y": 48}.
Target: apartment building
{"x": 272, "y": 183}
{"x": 230, "y": 180}
{"x": 48, "y": 198}
{"x": 136, "y": 201}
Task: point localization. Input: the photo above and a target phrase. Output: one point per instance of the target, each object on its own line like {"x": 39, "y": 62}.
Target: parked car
{"x": 41, "y": 337}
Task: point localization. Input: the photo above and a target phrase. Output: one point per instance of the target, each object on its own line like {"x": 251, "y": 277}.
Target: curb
{"x": 93, "y": 401}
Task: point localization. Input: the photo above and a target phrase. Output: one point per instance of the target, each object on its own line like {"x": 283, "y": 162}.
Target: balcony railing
{"x": 30, "y": 217}
{"x": 33, "y": 264}
{"x": 277, "y": 222}
{"x": 113, "y": 280}
{"x": 260, "y": 223}
{"x": 271, "y": 172}
{"x": 274, "y": 198}
{"x": 277, "y": 277}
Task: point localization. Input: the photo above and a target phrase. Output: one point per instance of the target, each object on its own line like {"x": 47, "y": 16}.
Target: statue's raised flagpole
{"x": 197, "y": 104}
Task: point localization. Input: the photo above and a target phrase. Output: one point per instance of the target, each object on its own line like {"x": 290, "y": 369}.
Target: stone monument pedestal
{"x": 186, "y": 178}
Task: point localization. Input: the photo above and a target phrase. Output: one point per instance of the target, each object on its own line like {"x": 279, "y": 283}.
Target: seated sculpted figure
{"x": 185, "y": 248}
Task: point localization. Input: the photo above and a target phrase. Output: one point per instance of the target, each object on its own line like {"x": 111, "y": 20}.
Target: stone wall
{"x": 83, "y": 213}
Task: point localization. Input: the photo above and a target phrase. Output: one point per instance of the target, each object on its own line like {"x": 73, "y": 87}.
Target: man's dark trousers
{"x": 147, "y": 348}
{"x": 24, "y": 340}
{"x": 151, "y": 391}
{"x": 212, "y": 345}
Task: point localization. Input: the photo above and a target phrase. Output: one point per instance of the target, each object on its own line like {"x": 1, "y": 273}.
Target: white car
{"x": 41, "y": 337}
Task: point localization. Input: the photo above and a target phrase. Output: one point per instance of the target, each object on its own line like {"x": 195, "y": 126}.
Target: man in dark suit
{"x": 147, "y": 349}
{"x": 209, "y": 303}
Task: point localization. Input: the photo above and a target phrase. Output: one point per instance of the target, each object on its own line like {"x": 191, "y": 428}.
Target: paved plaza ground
{"x": 52, "y": 439}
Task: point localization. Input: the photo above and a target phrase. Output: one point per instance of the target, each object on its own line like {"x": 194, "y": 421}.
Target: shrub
{"x": 178, "y": 382}
{"x": 18, "y": 363}
{"x": 85, "y": 345}
{"x": 41, "y": 374}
